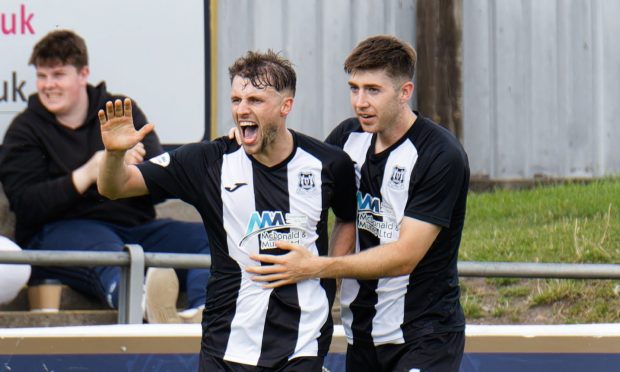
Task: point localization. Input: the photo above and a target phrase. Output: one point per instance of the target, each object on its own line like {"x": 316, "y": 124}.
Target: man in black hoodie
{"x": 49, "y": 167}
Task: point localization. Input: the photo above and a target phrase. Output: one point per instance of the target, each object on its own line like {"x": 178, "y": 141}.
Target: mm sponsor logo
{"x": 368, "y": 203}
{"x": 271, "y": 226}
{"x": 265, "y": 220}
{"x": 377, "y": 220}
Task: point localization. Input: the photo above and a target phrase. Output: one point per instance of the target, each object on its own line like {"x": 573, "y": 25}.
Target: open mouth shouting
{"x": 249, "y": 132}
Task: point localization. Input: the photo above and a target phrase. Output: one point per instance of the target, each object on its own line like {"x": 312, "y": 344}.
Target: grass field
{"x": 570, "y": 223}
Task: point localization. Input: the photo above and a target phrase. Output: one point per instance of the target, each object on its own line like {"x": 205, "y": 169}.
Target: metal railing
{"x": 539, "y": 270}
{"x": 133, "y": 261}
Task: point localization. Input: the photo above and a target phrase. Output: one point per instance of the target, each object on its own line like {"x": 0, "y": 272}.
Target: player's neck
{"x": 394, "y": 131}
{"x": 280, "y": 149}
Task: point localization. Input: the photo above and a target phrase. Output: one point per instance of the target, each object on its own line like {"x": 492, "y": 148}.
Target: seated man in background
{"x": 49, "y": 167}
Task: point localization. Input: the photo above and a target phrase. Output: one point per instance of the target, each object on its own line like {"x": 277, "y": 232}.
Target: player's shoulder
{"x": 437, "y": 142}
{"x": 341, "y": 133}
{"x": 317, "y": 147}
{"x": 210, "y": 149}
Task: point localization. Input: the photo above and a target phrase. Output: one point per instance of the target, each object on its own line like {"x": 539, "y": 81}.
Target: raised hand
{"x": 117, "y": 130}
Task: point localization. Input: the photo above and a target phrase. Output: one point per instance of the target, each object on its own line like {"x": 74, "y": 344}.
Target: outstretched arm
{"x": 392, "y": 259}
{"x": 116, "y": 178}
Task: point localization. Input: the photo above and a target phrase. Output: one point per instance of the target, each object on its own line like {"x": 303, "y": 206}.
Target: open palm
{"x": 117, "y": 130}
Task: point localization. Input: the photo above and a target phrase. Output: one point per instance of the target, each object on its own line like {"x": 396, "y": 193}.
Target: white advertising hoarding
{"x": 150, "y": 50}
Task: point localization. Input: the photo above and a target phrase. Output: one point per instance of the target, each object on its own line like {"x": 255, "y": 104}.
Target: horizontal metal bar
{"x": 186, "y": 261}
{"x": 539, "y": 270}
{"x": 83, "y": 258}
{"x": 177, "y": 260}
{"x": 65, "y": 258}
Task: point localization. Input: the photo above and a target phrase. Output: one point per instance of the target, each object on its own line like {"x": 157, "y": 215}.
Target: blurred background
{"x": 530, "y": 87}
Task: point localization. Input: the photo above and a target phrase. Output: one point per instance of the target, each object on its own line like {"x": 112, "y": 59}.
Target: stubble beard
{"x": 270, "y": 133}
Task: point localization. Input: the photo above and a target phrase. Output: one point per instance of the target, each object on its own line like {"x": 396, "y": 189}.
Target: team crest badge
{"x": 397, "y": 180}
{"x": 306, "y": 183}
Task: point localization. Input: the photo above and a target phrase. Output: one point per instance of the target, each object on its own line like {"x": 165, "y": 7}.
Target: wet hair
{"x": 264, "y": 70}
{"x": 60, "y": 47}
{"x": 383, "y": 52}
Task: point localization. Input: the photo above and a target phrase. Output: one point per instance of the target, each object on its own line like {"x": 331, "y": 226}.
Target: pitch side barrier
{"x": 175, "y": 347}
{"x": 133, "y": 261}
{"x": 164, "y": 347}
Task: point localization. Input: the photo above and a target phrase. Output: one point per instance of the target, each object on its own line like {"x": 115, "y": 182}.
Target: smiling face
{"x": 259, "y": 114}
{"x": 60, "y": 87}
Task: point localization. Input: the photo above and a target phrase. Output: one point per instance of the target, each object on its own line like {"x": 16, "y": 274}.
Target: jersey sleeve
{"x": 340, "y": 133}
{"x": 344, "y": 200}
{"x": 182, "y": 172}
{"x": 436, "y": 187}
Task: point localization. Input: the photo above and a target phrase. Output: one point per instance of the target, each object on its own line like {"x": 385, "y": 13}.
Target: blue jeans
{"x": 161, "y": 235}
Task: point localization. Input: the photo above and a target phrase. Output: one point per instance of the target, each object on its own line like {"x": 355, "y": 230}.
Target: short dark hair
{"x": 267, "y": 69}
{"x": 62, "y": 47}
{"x": 383, "y": 52}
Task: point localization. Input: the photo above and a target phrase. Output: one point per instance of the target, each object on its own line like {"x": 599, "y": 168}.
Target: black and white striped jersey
{"x": 246, "y": 208}
{"x": 424, "y": 175}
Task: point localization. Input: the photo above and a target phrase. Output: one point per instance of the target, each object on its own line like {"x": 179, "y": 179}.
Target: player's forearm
{"x": 342, "y": 241}
{"x": 383, "y": 261}
{"x": 113, "y": 175}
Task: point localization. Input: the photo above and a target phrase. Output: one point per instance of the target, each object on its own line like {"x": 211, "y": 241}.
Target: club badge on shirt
{"x": 397, "y": 180}
{"x": 306, "y": 183}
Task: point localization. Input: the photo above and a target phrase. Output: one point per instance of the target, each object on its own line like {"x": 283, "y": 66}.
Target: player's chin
{"x": 370, "y": 127}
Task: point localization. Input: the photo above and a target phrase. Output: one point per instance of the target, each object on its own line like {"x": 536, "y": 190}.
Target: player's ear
{"x": 287, "y": 106}
{"x": 406, "y": 91}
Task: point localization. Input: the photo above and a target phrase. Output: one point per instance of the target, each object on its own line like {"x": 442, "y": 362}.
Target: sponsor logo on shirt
{"x": 376, "y": 217}
{"x": 162, "y": 160}
{"x": 271, "y": 226}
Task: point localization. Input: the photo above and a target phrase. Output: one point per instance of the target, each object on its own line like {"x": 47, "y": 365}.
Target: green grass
{"x": 569, "y": 223}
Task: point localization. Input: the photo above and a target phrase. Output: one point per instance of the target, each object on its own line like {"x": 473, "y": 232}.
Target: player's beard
{"x": 269, "y": 135}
